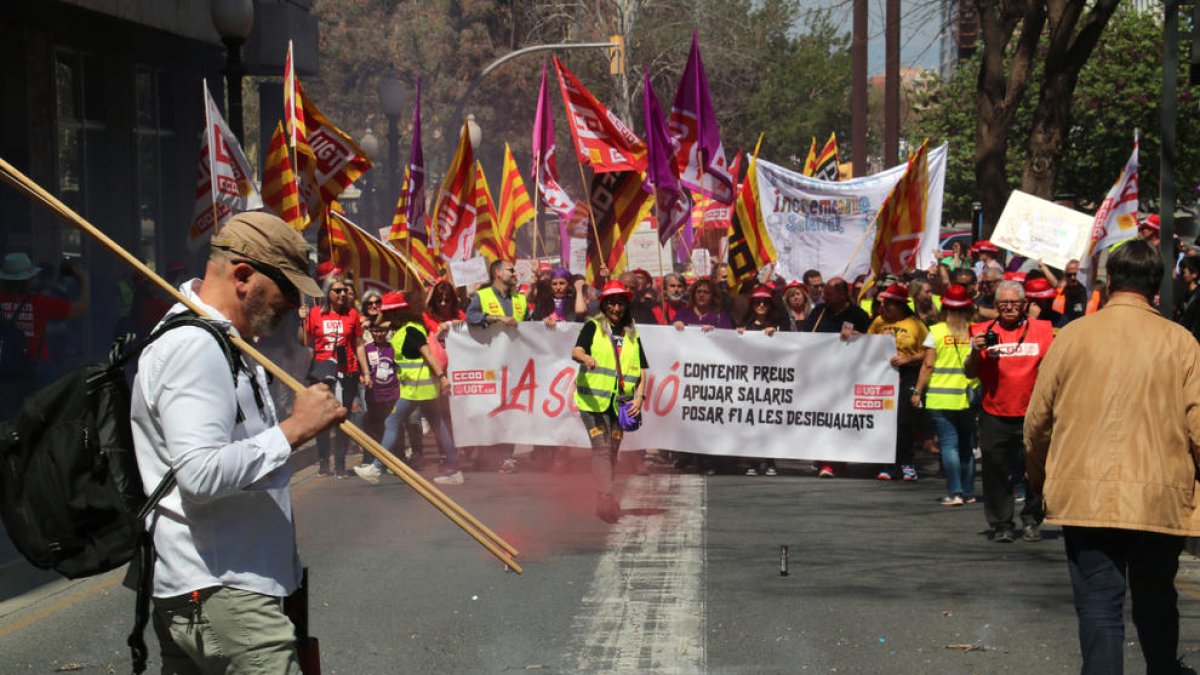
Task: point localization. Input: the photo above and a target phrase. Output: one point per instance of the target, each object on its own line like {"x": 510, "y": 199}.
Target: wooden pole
{"x": 488, "y": 539}
{"x": 587, "y": 196}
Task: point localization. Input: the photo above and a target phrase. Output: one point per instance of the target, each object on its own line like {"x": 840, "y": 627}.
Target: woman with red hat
{"x": 1042, "y": 294}
{"x": 609, "y": 387}
{"x": 422, "y": 380}
{"x": 947, "y": 394}
{"x": 897, "y": 319}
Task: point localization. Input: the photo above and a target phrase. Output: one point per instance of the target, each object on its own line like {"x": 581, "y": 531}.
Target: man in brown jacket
{"x": 1112, "y": 435}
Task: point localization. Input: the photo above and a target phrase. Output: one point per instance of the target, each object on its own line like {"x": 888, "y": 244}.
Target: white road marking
{"x": 644, "y": 609}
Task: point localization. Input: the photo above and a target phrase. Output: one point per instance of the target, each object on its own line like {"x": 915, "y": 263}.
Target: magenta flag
{"x": 545, "y": 165}
{"x": 698, "y": 150}
{"x": 415, "y": 213}
{"x": 672, "y": 202}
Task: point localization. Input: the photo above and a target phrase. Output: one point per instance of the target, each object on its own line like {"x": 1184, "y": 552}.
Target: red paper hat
{"x": 1039, "y": 288}
{"x": 1153, "y": 222}
{"x": 616, "y": 288}
{"x": 894, "y": 292}
{"x": 393, "y": 300}
{"x": 762, "y": 292}
{"x": 956, "y": 297}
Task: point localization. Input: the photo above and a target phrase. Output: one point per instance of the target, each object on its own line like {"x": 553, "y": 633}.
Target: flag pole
{"x": 488, "y": 539}
{"x": 591, "y": 216}
{"x": 212, "y": 169}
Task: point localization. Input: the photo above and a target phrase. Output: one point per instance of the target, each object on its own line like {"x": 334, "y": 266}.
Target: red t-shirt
{"x": 327, "y": 331}
{"x": 1009, "y": 370}
{"x": 32, "y": 319}
{"x": 432, "y": 324}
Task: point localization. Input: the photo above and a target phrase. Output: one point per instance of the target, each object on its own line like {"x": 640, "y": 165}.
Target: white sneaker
{"x": 368, "y": 472}
{"x": 771, "y": 471}
{"x": 751, "y": 472}
{"x": 455, "y": 478}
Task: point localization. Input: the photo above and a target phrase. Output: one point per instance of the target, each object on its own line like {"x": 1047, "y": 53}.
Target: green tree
{"x": 1118, "y": 90}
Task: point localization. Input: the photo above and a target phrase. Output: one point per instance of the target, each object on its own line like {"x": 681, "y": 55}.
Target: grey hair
{"x": 991, "y": 273}
{"x": 1011, "y": 285}
{"x": 328, "y": 284}
{"x": 369, "y": 294}
{"x": 673, "y": 275}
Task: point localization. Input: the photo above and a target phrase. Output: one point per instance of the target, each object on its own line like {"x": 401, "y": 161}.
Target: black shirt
{"x": 589, "y": 332}
{"x": 823, "y": 320}
{"x": 413, "y": 341}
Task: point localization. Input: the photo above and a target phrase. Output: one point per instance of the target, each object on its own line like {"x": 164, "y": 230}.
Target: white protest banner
{"x": 701, "y": 260}
{"x": 786, "y": 396}
{"x": 822, "y": 225}
{"x": 1039, "y": 229}
{"x": 642, "y": 251}
{"x": 469, "y": 271}
{"x": 526, "y": 269}
{"x": 578, "y": 261}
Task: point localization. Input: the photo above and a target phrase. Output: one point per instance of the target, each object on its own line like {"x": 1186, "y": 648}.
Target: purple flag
{"x": 698, "y": 150}
{"x": 672, "y": 202}
{"x": 545, "y": 166}
{"x": 415, "y": 213}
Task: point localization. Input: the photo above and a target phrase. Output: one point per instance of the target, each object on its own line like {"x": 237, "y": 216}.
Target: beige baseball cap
{"x": 265, "y": 239}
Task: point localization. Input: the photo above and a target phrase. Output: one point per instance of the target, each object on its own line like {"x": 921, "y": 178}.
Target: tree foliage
{"x": 1118, "y": 90}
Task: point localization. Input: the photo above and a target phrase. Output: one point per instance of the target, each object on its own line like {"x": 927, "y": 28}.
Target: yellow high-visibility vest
{"x": 416, "y": 381}
{"x": 948, "y": 385}
{"x": 596, "y": 387}
{"x": 490, "y": 303}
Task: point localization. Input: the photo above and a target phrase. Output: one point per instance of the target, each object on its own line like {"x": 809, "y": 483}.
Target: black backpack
{"x": 71, "y": 497}
{"x": 15, "y": 362}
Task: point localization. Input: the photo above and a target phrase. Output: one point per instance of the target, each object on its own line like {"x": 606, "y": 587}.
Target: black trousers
{"x": 1002, "y": 441}
{"x": 1103, "y": 562}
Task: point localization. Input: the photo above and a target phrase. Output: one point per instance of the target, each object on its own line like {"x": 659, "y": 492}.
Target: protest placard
{"x": 1042, "y": 230}
{"x": 469, "y": 271}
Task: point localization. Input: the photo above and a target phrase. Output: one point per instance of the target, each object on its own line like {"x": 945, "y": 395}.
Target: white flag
{"x": 1116, "y": 219}
{"x": 233, "y": 189}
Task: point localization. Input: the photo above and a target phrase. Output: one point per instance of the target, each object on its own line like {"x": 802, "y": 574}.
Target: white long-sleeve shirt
{"x": 229, "y": 520}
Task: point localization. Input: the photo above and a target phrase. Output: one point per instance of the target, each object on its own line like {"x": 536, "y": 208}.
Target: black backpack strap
{"x": 144, "y": 565}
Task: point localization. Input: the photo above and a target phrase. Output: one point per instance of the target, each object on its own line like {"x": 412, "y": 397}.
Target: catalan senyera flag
{"x": 602, "y": 141}
{"x": 619, "y": 203}
{"x": 1116, "y": 219}
{"x": 454, "y": 209}
{"x": 487, "y": 237}
{"x": 515, "y": 207}
{"x": 293, "y": 110}
{"x": 399, "y": 231}
{"x": 750, "y": 247}
{"x": 825, "y": 165}
{"x": 279, "y": 190}
{"x": 810, "y": 162}
{"x": 369, "y": 261}
{"x": 327, "y": 159}
{"x": 900, "y": 222}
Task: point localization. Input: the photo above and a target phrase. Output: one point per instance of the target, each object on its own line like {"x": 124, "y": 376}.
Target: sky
{"x": 920, "y": 21}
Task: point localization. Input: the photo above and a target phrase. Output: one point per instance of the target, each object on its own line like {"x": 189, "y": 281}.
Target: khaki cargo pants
{"x": 226, "y": 631}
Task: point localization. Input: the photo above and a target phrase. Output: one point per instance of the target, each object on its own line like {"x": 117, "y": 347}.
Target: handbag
{"x": 625, "y": 417}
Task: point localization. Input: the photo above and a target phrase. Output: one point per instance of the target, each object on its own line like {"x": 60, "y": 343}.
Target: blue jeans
{"x": 955, "y": 429}
{"x": 1101, "y": 562}
{"x": 393, "y": 429}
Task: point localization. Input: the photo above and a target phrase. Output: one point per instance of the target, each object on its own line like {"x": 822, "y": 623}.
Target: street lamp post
{"x": 370, "y": 145}
{"x": 392, "y": 95}
{"x": 233, "y": 20}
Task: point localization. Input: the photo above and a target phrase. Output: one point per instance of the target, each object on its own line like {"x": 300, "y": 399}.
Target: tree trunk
{"x": 1003, "y": 80}
{"x": 1066, "y": 53}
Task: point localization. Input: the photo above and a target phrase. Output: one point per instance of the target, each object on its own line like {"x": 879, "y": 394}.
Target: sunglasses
{"x": 372, "y": 302}
{"x": 760, "y": 301}
{"x": 285, "y": 285}
{"x": 339, "y": 291}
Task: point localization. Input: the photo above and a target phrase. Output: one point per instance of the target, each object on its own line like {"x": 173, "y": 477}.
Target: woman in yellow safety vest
{"x": 422, "y": 380}
{"x": 609, "y": 353}
{"x": 947, "y": 394}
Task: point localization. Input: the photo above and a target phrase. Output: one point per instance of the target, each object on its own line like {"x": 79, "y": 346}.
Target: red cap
{"x": 956, "y": 297}
{"x": 1153, "y": 222}
{"x": 1039, "y": 288}
{"x": 391, "y": 301}
{"x": 986, "y": 245}
{"x": 616, "y": 288}
{"x": 762, "y": 292}
{"x": 326, "y": 269}
{"x": 894, "y": 292}
{"x": 1018, "y": 277}
{"x": 795, "y": 284}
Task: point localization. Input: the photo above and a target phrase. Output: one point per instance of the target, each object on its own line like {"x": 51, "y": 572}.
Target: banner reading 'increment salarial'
{"x": 786, "y": 396}
{"x": 824, "y": 225}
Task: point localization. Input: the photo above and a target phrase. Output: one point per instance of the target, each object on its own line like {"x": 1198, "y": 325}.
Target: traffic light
{"x": 616, "y": 55}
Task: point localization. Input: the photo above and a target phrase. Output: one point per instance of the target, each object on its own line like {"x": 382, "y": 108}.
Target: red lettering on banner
{"x": 868, "y": 404}
{"x": 472, "y": 376}
{"x": 563, "y": 399}
{"x": 657, "y": 399}
{"x": 526, "y": 388}
{"x": 220, "y": 154}
{"x": 874, "y": 390}
{"x": 474, "y": 389}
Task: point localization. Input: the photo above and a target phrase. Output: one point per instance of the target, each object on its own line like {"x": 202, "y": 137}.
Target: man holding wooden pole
{"x": 224, "y": 537}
